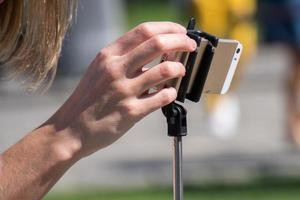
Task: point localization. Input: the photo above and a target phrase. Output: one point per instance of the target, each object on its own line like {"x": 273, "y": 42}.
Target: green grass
{"x": 261, "y": 190}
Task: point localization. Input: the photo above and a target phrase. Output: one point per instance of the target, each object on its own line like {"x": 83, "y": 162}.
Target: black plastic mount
{"x": 175, "y": 113}
{"x": 202, "y": 70}
{"x": 176, "y": 119}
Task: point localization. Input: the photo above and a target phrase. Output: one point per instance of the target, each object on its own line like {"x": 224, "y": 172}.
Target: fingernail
{"x": 193, "y": 44}
{"x": 182, "y": 69}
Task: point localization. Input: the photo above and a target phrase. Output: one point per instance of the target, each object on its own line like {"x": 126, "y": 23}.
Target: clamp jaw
{"x": 194, "y": 94}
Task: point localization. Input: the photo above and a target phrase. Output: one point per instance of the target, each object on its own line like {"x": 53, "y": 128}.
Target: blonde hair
{"x": 31, "y": 35}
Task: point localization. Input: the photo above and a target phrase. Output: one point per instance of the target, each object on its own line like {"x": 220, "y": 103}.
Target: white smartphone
{"x": 222, "y": 69}
{"x": 223, "y": 66}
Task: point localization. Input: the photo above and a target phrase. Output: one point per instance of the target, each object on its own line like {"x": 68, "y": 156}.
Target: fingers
{"x": 142, "y": 33}
{"x": 151, "y": 102}
{"x": 154, "y": 47}
{"x": 159, "y": 74}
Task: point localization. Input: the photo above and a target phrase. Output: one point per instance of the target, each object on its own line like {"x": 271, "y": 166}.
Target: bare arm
{"x": 108, "y": 101}
{"x": 33, "y": 165}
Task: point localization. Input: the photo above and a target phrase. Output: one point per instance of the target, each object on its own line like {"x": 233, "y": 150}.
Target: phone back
{"x": 223, "y": 66}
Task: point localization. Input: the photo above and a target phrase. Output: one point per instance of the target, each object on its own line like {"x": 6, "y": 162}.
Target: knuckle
{"x": 112, "y": 68}
{"x": 122, "y": 89}
{"x": 166, "y": 97}
{"x": 130, "y": 108}
{"x": 158, "y": 43}
{"x": 103, "y": 55}
{"x": 168, "y": 69}
{"x": 111, "y": 72}
{"x": 144, "y": 30}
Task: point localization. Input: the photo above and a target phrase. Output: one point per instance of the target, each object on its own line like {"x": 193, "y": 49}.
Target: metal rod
{"x": 177, "y": 169}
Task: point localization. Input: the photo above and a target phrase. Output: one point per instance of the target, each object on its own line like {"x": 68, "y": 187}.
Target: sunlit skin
{"x": 111, "y": 97}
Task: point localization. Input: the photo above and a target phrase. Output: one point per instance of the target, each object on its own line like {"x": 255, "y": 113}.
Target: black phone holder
{"x": 175, "y": 113}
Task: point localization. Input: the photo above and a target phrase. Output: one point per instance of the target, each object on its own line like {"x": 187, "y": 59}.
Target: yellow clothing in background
{"x": 228, "y": 19}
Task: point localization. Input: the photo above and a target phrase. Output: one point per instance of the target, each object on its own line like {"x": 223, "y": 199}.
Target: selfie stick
{"x": 176, "y": 119}
{"x": 175, "y": 113}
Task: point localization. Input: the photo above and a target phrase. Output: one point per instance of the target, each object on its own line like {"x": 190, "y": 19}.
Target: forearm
{"x": 31, "y": 167}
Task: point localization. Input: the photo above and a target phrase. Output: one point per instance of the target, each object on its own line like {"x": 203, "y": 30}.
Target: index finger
{"x": 142, "y": 33}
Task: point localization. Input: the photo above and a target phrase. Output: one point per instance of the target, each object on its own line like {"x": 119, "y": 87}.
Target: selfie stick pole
{"x": 177, "y": 169}
{"x": 177, "y": 128}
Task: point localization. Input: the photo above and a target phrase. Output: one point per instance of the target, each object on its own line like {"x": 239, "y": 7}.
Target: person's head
{"x": 31, "y": 34}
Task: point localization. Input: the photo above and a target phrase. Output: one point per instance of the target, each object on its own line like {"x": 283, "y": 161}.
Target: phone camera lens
{"x": 238, "y": 50}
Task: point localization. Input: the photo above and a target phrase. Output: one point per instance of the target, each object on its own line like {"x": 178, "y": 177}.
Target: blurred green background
{"x": 270, "y": 189}
{"x": 154, "y": 10}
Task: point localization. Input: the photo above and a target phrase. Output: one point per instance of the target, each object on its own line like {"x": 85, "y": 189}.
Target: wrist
{"x": 63, "y": 142}
{"x": 65, "y": 132}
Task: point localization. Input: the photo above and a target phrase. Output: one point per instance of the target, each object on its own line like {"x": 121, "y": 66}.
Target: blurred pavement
{"x": 143, "y": 156}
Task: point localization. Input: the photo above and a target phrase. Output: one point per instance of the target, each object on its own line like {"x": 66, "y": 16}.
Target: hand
{"x": 112, "y": 96}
